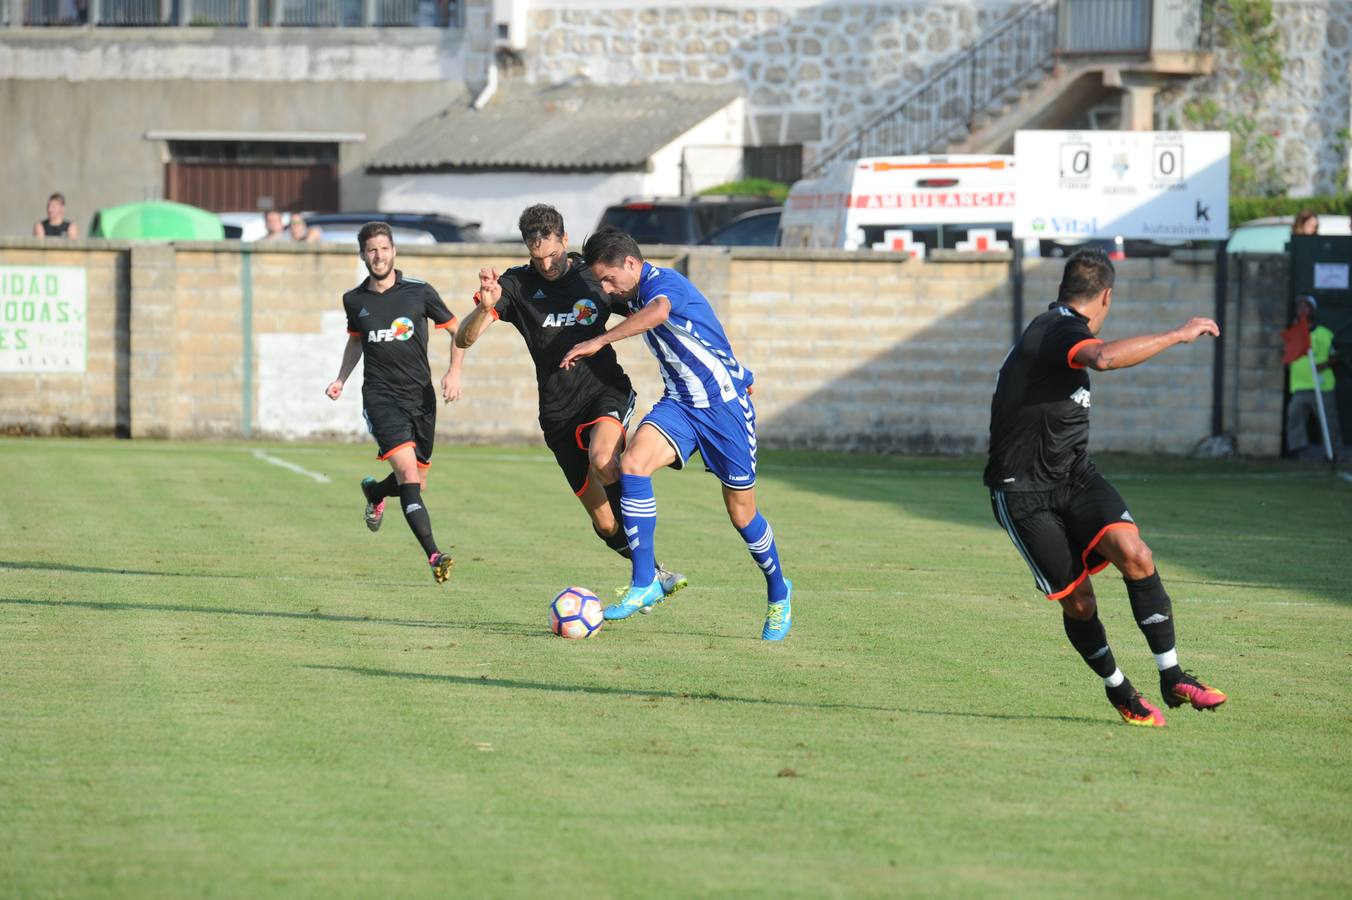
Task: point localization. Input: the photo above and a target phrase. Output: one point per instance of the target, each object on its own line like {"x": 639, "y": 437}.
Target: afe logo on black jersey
{"x": 584, "y": 313}
{"x": 401, "y": 329}
{"x": 1081, "y": 397}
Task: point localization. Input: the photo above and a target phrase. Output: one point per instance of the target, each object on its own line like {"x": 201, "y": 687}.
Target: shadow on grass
{"x": 100, "y": 570}
{"x": 513, "y": 685}
{"x": 1187, "y": 510}
{"x": 312, "y": 615}
{"x": 105, "y": 570}
{"x": 317, "y": 616}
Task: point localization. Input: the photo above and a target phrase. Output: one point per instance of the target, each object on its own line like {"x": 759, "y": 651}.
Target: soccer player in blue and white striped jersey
{"x": 706, "y": 406}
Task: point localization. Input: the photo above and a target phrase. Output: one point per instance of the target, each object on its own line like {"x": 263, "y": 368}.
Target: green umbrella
{"x": 157, "y": 220}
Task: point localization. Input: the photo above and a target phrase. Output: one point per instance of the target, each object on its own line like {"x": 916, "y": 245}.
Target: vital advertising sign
{"x": 1165, "y": 185}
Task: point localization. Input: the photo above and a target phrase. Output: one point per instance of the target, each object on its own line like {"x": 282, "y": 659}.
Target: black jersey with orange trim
{"x": 393, "y": 328}
{"x": 553, "y": 317}
{"x": 1040, "y": 411}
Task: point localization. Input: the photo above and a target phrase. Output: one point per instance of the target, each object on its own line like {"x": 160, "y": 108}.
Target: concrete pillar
{"x": 1138, "y": 107}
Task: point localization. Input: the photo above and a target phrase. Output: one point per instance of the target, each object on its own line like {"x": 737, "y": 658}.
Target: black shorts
{"x": 569, "y": 442}
{"x": 1056, "y": 531}
{"x": 395, "y": 424}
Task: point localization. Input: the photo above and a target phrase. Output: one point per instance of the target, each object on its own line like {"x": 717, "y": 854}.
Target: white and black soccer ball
{"x": 576, "y": 613}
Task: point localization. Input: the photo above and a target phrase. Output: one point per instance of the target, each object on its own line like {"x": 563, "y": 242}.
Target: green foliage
{"x": 1245, "y": 209}
{"x": 217, "y": 683}
{"x": 752, "y": 187}
{"x": 1247, "y": 27}
{"x": 1344, "y": 136}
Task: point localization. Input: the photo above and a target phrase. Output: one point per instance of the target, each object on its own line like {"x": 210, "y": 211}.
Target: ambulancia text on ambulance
{"x": 910, "y": 204}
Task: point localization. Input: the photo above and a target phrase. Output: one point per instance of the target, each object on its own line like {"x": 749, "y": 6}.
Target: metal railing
{"x": 234, "y": 13}
{"x": 946, "y": 105}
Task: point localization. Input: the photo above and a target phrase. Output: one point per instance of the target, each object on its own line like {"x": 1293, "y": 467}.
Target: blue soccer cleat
{"x": 634, "y": 599}
{"x": 779, "y": 617}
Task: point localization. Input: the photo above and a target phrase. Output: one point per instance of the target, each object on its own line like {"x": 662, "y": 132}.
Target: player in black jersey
{"x": 555, "y": 302}
{"x": 1064, "y": 518}
{"x": 387, "y": 322}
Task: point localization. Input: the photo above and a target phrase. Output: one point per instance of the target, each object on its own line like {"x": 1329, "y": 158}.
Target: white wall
{"x": 496, "y": 199}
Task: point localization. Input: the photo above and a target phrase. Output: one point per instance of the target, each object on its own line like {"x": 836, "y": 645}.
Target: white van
{"x": 911, "y": 204}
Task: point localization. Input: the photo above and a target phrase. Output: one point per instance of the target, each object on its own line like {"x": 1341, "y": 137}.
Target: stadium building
{"x": 357, "y": 104}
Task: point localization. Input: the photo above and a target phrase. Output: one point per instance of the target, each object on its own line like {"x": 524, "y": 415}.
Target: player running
{"x": 706, "y": 406}
{"x": 555, "y": 302}
{"x": 387, "y": 321}
{"x": 1064, "y": 518}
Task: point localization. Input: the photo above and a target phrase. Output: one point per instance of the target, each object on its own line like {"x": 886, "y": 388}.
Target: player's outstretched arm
{"x": 475, "y": 324}
{"x": 351, "y": 353}
{"x": 649, "y": 317}
{"x": 1133, "y": 351}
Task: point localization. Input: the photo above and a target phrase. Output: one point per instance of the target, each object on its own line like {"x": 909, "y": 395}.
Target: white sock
{"x": 1167, "y": 660}
{"x": 1115, "y": 679}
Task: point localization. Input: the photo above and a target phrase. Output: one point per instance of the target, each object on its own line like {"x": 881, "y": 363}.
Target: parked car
{"x": 243, "y": 226}
{"x": 347, "y": 234}
{"x": 678, "y": 220}
{"x": 758, "y": 228}
{"x": 1114, "y": 247}
{"x": 1271, "y": 235}
{"x": 444, "y": 229}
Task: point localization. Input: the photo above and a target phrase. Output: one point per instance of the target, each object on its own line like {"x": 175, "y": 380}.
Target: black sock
{"x": 616, "y": 540}
{"x": 613, "y": 498}
{"x": 1121, "y": 694}
{"x": 1154, "y": 615}
{"x": 382, "y": 489}
{"x": 410, "y": 498}
{"x": 1091, "y": 642}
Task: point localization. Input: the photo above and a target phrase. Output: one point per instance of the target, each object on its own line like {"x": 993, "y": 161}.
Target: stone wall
{"x": 811, "y": 70}
{"x": 1306, "y": 111}
{"x": 1257, "y": 305}
{"x": 851, "y": 350}
{"x": 815, "y": 70}
{"x": 89, "y": 402}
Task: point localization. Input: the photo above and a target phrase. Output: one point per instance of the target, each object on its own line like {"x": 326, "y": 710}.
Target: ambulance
{"x": 910, "y": 204}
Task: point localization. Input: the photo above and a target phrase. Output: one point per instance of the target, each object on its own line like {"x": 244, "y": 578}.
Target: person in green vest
{"x": 1300, "y": 381}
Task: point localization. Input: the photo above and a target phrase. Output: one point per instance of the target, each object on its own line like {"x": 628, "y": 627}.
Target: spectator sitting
{"x": 56, "y": 224}
{"x": 272, "y": 221}
{"x": 302, "y": 232}
{"x": 1307, "y": 222}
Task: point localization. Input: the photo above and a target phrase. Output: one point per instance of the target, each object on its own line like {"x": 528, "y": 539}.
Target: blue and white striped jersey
{"x": 693, "y": 353}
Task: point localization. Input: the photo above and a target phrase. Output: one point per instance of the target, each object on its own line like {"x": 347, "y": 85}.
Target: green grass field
{"x": 215, "y": 682}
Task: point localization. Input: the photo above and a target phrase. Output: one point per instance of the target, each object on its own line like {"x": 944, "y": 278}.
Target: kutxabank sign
{"x": 42, "y": 319}
{"x": 1167, "y": 185}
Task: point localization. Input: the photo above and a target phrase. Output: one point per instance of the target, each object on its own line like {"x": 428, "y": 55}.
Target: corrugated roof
{"x": 556, "y": 127}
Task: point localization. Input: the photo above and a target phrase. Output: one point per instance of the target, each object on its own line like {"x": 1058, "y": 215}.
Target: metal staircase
{"x": 979, "y": 81}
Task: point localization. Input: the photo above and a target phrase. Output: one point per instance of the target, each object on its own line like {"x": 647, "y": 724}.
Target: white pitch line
{"x": 1345, "y": 476}
{"x": 290, "y": 466}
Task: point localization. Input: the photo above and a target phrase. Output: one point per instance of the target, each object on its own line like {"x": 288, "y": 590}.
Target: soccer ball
{"x": 575, "y": 613}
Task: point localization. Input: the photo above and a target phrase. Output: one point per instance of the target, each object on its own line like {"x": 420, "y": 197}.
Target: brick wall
{"x": 75, "y": 403}
{"x": 850, "y": 350}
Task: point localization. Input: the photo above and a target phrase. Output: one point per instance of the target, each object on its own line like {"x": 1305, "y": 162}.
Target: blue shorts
{"x": 724, "y": 434}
